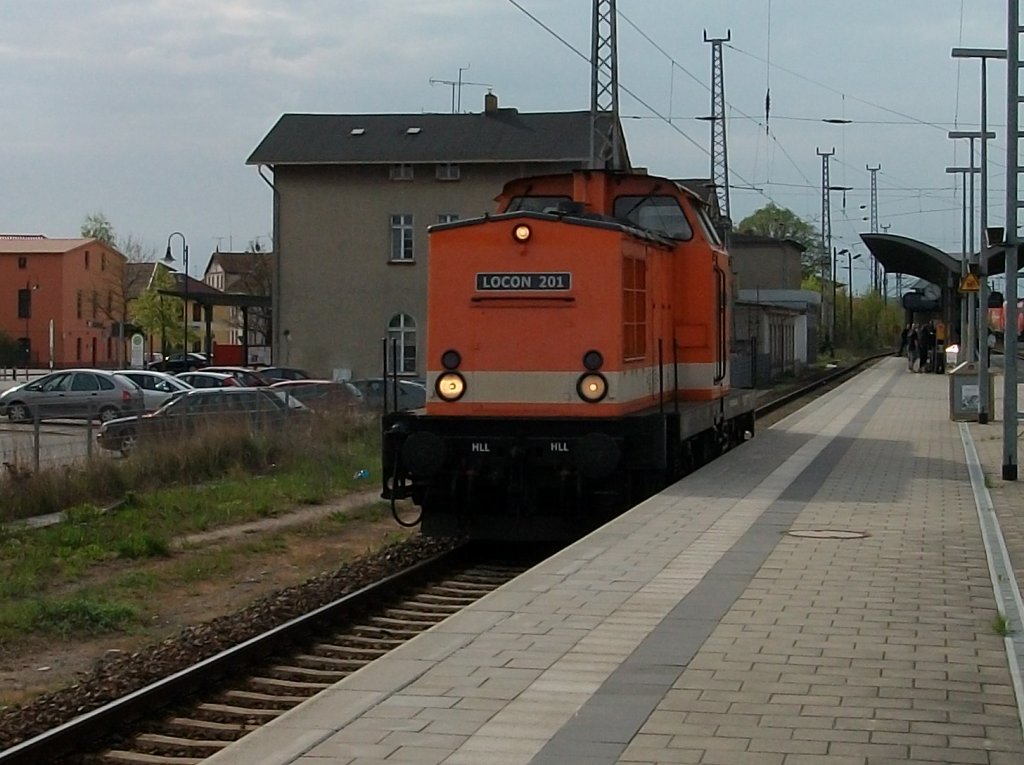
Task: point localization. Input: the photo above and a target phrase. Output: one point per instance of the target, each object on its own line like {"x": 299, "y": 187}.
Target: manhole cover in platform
{"x": 828, "y": 534}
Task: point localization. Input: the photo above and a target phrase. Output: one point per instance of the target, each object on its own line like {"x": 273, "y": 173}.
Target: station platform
{"x": 829, "y": 592}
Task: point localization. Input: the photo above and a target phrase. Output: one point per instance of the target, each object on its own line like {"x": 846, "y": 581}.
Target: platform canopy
{"x": 903, "y": 255}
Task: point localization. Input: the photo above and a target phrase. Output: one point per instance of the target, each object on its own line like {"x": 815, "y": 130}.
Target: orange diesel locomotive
{"x": 577, "y": 358}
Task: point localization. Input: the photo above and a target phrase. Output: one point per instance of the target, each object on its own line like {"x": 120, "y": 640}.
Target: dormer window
{"x": 357, "y": 131}
{"x": 413, "y": 130}
{"x": 446, "y": 172}
{"x": 401, "y": 172}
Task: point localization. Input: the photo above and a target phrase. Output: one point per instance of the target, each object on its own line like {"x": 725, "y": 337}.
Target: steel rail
{"x": 108, "y": 719}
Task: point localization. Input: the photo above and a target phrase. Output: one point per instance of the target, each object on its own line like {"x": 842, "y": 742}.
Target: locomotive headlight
{"x": 451, "y": 359}
{"x": 592, "y": 387}
{"x": 593, "y": 360}
{"x": 450, "y": 386}
{"x": 522, "y": 233}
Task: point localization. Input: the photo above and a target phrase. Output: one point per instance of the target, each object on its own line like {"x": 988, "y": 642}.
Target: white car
{"x": 157, "y": 387}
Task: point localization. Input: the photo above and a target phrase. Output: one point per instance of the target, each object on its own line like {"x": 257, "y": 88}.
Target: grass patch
{"x": 1001, "y": 625}
{"x": 66, "y": 617}
{"x": 231, "y": 480}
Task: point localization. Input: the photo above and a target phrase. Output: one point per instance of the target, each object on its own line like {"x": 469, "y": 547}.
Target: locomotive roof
{"x": 498, "y": 135}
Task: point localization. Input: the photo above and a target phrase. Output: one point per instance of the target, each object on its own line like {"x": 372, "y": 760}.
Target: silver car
{"x": 157, "y": 387}
{"x": 73, "y": 394}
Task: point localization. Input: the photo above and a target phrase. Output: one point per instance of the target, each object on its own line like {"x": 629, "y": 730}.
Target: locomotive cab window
{"x": 661, "y": 214}
{"x": 538, "y": 204}
{"x": 707, "y": 226}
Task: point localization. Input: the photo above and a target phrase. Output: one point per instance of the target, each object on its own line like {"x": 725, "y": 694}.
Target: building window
{"x": 402, "y": 337}
{"x": 103, "y": 261}
{"x": 95, "y": 303}
{"x": 78, "y": 305}
{"x": 78, "y": 349}
{"x": 401, "y": 238}
{"x": 22, "y": 262}
{"x": 447, "y": 172}
{"x": 401, "y": 172}
{"x": 87, "y": 259}
{"x": 25, "y": 304}
{"x": 447, "y": 217}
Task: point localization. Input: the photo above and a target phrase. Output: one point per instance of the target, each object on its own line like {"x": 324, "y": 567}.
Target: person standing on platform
{"x": 913, "y": 347}
{"x": 926, "y": 341}
{"x": 903, "y": 340}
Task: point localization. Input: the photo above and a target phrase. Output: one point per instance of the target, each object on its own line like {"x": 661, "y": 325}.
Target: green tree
{"x": 782, "y": 223}
{"x": 98, "y": 226}
{"x": 157, "y": 314}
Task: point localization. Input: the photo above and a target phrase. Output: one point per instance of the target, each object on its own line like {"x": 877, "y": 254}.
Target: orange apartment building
{"x": 62, "y": 301}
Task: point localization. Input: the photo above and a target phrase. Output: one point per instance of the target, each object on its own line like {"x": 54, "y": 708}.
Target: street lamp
{"x": 982, "y": 304}
{"x": 850, "y": 257}
{"x": 168, "y": 259}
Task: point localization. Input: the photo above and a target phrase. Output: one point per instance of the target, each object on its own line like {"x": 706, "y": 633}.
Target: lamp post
{"x": 966, "y": 322}
{"x": 168, "y": 259}
{"x": 984, "y": 405}
{"x": 850, "y": 257}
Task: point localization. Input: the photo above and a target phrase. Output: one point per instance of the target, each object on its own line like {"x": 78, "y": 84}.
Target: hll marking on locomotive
{"x": 482, "y": 448}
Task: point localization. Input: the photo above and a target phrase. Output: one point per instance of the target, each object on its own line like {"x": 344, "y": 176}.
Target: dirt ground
{"x": 35, "y": 666}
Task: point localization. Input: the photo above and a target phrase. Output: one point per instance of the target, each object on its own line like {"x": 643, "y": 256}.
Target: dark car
{"x": 412, "y": 394}
{"x": 279, "y": 374}
{"x": 189, "y": 411}
{"x": 322, "y": 395}
{"x": 204, "y": 379}
{"x": 178, "y": 362}
{"x": 243, "y": 375}
{"x": 73, "y": 394}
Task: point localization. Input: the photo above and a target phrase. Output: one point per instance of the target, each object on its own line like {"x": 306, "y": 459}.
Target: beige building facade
{"x": 354, "y": 196}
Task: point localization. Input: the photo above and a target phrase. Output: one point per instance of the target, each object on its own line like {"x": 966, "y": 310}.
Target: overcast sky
{"x": 146, "y": 110}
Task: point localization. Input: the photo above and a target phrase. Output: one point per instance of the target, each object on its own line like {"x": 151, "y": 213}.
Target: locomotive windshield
{"x": 539, "y": 204}
{"x": 661, "y": 214}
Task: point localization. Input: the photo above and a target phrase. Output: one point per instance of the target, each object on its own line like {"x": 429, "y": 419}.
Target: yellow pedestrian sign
{"x": 970, "y": 283}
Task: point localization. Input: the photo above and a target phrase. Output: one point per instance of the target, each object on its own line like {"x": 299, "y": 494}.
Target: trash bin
{"x": 964, "y": 393}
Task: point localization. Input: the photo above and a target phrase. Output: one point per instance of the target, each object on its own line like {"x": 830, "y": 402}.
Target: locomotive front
{"x": 539, "y": 372}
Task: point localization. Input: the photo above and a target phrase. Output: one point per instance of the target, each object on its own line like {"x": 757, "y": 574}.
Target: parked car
{"x": 412, "y": 394}
{"x": 277, "y": 374}
{"x": 178, "y": 362}
{"x": 73, "y": 394}
{"x": 187, "y": 412}
{"x": 157, "y": 387}
{"x": 243, "y": 375}
{"x": 204, "y": 379}
{"x": 322, "y": 395}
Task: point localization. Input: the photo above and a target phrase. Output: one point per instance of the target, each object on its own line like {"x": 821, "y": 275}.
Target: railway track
{"x": 239, "y": 689}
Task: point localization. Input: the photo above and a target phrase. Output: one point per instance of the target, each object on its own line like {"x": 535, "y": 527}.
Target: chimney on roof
{"x": 490, "y": 103}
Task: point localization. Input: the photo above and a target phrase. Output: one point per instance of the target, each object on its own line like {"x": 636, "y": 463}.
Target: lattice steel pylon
{"x": 605, "y": 138}
{"x": 876, "y": 278}
{"x": 719, "y": 144}
{"x": 827, "y": 263}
